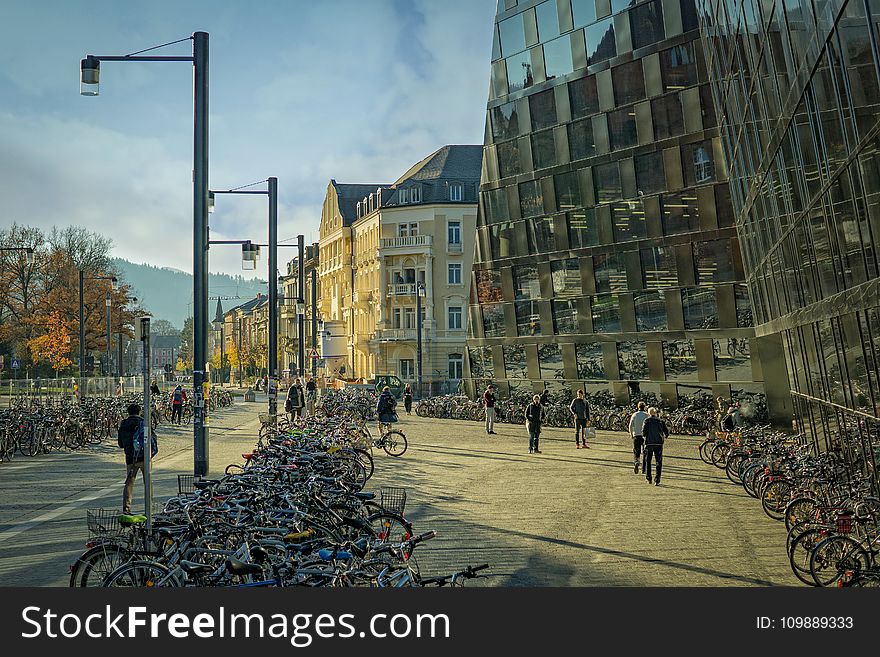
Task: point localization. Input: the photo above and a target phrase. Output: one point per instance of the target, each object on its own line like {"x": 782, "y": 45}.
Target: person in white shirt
{"x": 636, "y": 423}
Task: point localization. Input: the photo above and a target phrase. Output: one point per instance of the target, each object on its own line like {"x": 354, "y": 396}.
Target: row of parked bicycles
{"x": 294, "y": 512}
{"x": 826, "y": 500}
{"x": 695, "y": 414}
{"x": 32, "y": 426}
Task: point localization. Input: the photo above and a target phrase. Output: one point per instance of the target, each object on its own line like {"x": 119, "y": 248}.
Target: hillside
{"x": 167, "y": 293}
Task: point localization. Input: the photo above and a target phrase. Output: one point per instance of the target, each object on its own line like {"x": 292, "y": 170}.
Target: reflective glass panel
{"x": 699, "y": 307}
{"x": 583, "y": 11}
{"x": 582, "y": 229}
{"x": 668, "y": 119}
{"x": 698, "y": 162}
{"x": 531, "y": 199}
{"x": 646, "y": 24}
{"x": 548, "y": 20}
{"x": 504, "y": 121}
{"x": 568, "y": 192}
{"x": 508, "y": 158}
{"x": 565, "y": 316}
{"x": 515, "y": 366}
{"x": 629, "y": 82}
{"x": 680, "y": 360}
{"x": 610, "y": 272}
{"x": 542, "y": 110}
{"x": 658, "y": 267}
{"x": 550, "y": 360}
{"x": 513, "y": 35}
{"x": 543, "y": 149}
{"x": 528, "y": 318}
{"x": 557, "y": 57}
{"x": 650, "y": 176}
{"x": 622, "y": 128}
{"x": 590, "y": 361}
{"x": 600, "y": 41}
{"x": 580, "y": 139}
{"x": 606, "y": 313}
{"x": 606, "y": 178}
{"x": 542, "y": 235}
{"x": 493, "y": 320}
{"x": 584, "y": 97}
{"x": 732, "y": 361}
{"x": 678, "y": 67}
{"x": 495, "y": 202}
{"x": 488, "y": 285}
{"x": 525, "y": 282}
{"x": 680, "y": 213}
{"x": 714, "y": 261}
{"x": 650, "y": 311}
{"x": 628, "y": 219}
{"x": 519, "y": 72}
{"x": 566, "y": 277}
{"x": 632, "y": 359}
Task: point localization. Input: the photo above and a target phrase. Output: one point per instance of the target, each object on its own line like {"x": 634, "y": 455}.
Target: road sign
{"x": 15, "y": 364}
{"x": 314, "y": 354}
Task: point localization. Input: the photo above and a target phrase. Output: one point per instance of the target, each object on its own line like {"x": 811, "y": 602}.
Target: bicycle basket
{"x": 844, "y": 523}
{"x": 393, "y": 499}
{"x": 103, "y": 522}
{"x": 186, "y": 484}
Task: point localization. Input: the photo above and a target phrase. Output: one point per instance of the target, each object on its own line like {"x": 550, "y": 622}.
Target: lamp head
{"x": 210, "y": 202}
{"x": 114, "y": 282}
{"x": 249, "y": 255}
{"x": 29, "y": 254}
{"x": 89, "y": 76}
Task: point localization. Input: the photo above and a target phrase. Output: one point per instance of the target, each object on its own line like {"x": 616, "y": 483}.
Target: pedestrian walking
{"x": 407, "y": 399}
{"x": 636, "y": 430}
{"x": 654, "y": 432}
{"x": 131, "y": 438}
{"x": 489, "y": 405}
{"x": 534, "y": 415}
{"x": 581, "y": 411}
{"x": 296, "y": 399}
{"x": 178, "y": 398}
{"x": 311, "y": 396}
{"x": 154, "y": 390}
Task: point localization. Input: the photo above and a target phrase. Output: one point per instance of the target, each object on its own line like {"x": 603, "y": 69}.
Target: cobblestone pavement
{"x": 570, "y": 517}
{"x": 566, "y": 517}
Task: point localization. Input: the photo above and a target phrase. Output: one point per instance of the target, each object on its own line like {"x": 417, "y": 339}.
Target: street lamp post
{"x": 314, "y": 323}
{"x": 272, "y": 361}
{"x": 300, "y": 304}
{"x": 114, "y": 282}
{"x": 90, "y": 69}
{"x": 108, "y": 369}
{"x": 421, "y": 293}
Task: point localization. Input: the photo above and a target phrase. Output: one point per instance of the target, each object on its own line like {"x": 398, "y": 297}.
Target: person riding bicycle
{"x": 385, "y": 408}
{"x": 178, "y": 398}
{"x": 154, "y": 389}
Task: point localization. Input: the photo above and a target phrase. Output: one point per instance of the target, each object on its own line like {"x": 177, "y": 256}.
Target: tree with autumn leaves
{"x": 39, "y": 300}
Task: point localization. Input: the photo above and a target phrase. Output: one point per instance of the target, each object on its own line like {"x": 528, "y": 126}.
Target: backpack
{"x": 727, "y": 423}
{"x": 178, "y": 396}
{"x": 138, "y": 440}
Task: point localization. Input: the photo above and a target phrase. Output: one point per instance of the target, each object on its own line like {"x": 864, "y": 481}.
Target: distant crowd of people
{"x": 646, "y": 428}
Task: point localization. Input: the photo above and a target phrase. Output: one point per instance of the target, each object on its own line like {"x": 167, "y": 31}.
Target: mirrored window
{"x": 582, "y": 228}
{"x": 622, "y": 128}
{"x": 565, "y": 316}
{"x": 650, "y": 311}
{"x": 606, "y": 313}
{"x": 493, "y": 320}
{"x": 557, "y": 58}
{"x": 515, "y": 366}
{"x": 481, "y": 362}
{"x": 609, "y": 271}
{"x": 743, "y": 306}
{"x": 568, "y": 192}
{"x": 628, "y": 219}
{"x": 508, "y": 158}
{"x": 519, "y": 72}
{"x": 680, "y": 212}
{"x": 658, "y": 267}
{"x": 513, "y": 35}
{"x": 698, "y": 162}
{"x": 566, "y": 277}
{"x": 543, "y": 149}
{"x": 650, "y": 176}
{"x": 583, "y": 96}
{"x": 678, "y": 67}
{"x": 503, "y": 238}
{"x": 528, "y": 318}
{"x": 583, "y": 12}
{"x": 495, "y": 203}
{"x": 629, "y": 82}
{"x": 646, "y": 24}
{"x": 714, "y": 261}
{"x": 699, "y": 307}
{"x": 668, "y": 119}
{"x": 680, "y": 360}
{"x": 505, "y": 124}
{"x": 488, "y": 285}
{"x": 548, "y": 20}
{"x": 632, "y": 359}
{"x": 531, "y": 199}
{"x": 600, "y": 41}
{"x": 732, "y": 362}
{"x": 550, "y": 361}
{"x": 590, "y": 361}
{"x": 542, "y": 235}
{"x": 580, "y": 139}
{"x": 542, "y": 110}
{"x": 606, "y": 178}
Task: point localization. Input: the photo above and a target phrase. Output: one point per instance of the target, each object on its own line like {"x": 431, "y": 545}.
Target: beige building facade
{"x": 413, "y": 236}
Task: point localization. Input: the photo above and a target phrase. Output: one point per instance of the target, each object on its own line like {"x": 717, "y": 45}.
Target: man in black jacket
{"x": 127, "y": 429}
{"x": 654, "y": 432}
{"x": 534, "y": 415}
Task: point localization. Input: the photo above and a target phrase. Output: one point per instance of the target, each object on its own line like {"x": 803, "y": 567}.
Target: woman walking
{"x": 534, "y": 414}
{"x": 407, "y": 399}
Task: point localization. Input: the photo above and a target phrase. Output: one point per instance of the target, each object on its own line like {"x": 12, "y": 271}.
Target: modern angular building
{"x": 800, "y": 86}
{"x": 607, "y": 256}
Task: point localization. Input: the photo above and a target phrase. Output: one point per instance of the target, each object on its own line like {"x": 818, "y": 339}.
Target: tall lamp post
{"x": 272, "y": 193}
{"x": 421, "y": 293}
{"x": 301, "y": 304}
{"x": 108, "y": 368}
{"x": 90, "y": 71}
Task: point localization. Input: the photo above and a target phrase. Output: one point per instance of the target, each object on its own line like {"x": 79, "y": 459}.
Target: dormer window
{"x": 360, "y": 209}
{"x": 416, "y": 194}
{"x": 403, "y": 196}
{"x": 455, "y": 192}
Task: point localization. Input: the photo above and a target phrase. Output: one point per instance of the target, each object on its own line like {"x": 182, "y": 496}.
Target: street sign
{"x": 314, "y": 354}
{"x": 15, "y": 364}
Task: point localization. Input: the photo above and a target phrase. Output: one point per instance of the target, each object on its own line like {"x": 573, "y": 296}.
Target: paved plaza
{"x": 566, "y": 517}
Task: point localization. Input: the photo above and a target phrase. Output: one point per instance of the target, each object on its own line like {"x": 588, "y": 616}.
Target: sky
{"x": 305, "y": 90}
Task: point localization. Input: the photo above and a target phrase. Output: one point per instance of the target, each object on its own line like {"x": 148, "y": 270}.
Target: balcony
{"x": 402, "y": 290}
{"x": 453, "y": 247}
{"x": 394, "y": 335}
{"x": 406, "y": 242}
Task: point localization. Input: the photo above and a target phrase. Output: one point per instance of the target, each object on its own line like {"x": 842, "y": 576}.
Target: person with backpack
{"x": 385, "y": 408}
{"x": 655, "y": 432}
{"x": 178, "y": 398}
{"x": 534, "y": 415}
{"x": 581, "y": 411}
{"x": 131, "y": 437}
{"x": 636, "y": 429}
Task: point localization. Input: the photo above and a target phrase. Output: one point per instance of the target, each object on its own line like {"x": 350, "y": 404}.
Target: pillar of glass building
{"x": 607, "y": 256}
{"x": 799, "y": 89}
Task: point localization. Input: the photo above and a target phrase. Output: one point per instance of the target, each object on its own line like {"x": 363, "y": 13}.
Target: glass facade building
{"x": 607, "y": 255}
{"x": 797, "y": 84}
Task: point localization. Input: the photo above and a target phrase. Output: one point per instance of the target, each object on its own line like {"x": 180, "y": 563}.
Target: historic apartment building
{"x": 799, "y": 83}
{"x": 289, "y": 327}
{"x": 607, "y": 256}
{"x": 410, "y": 237}
{"x": 245, "y": 333}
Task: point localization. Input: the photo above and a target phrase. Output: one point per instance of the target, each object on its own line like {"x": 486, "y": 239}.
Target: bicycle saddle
{"x": 193, "y": 568}
{"x": 236, "y": 567}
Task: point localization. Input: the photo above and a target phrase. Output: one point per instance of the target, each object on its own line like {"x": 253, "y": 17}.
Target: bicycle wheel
{"x": 138, "y": 574}
{"x": 719, "y": 454}
{"x": 390, "y": 527}
{"x": 800, "y": 509}
{"x": 29, "y": 445}
{"x": 775, "y": 497}
{"x": 801, "y": 550}
{"x": 836, "y": 558}
{"x": 93, "y": 566}
{"x": 394, "y": 443}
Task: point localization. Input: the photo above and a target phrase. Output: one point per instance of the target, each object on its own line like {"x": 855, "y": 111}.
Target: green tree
{"x": 186, "y": 342}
